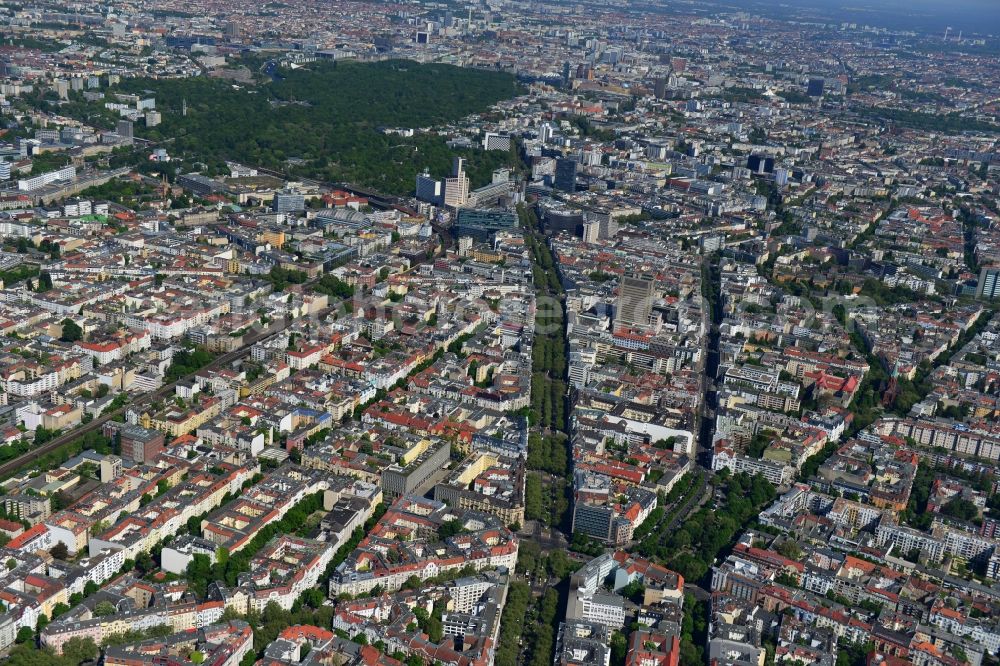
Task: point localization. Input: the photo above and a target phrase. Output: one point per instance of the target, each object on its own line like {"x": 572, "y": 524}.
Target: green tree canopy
{"x": 71, "y": 331}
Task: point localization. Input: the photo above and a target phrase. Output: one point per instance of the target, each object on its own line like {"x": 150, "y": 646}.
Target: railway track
{"x": 11, "y": 466}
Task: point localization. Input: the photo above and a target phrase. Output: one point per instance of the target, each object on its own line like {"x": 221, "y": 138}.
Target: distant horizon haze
{"x": 979, "y": 17}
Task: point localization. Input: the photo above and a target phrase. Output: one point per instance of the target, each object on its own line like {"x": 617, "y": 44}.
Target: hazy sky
{"x": 932, "y": 15}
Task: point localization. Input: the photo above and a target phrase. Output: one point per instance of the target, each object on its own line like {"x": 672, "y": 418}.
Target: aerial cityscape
{"x": 500, "y": 333}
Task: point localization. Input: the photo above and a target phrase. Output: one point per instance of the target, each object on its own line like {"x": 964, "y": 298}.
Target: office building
{"x": 989, "y": 283}
{"x": 35, "y": 182}
{"x": 402, "y": 480}
{"x": 489, "y": 194}
{"x": 4, "y": 170}
{"x": 125, "y": 129}
{"x": 482, "y": 224}
{"x": 429, "y": 189}
{"x": 660, "y": 88}
{"x": 594, "y": 520}
{"x": 70, "y": 135}
{"x": 635, "y": 302}
{"x": 712, "y": 242}
{"x": 546, "y": 132}
{"x": 582, "y": 643}
{"x": 760, "y": 164}
{"x": 815, "y": 88}
{"x": 456, "y": 188}
{"x": 608, "y": 510}
{"x": 138, "y": 444}
{"x": 556, "y": 218}
{"x": 199, "y": 184}
{"x": 565, "y": 178}
{"x": 288, "y": 202}
{"x": 494, "y": 141}
{"x": 111, "y": 468}
{"x": 47, "y": 135}
{"x": 233, "y": 31}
